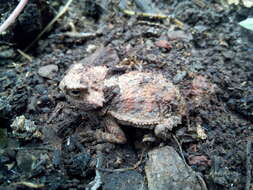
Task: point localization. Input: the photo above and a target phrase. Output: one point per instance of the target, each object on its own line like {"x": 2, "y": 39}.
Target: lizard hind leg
{"x": 164, "y": 128}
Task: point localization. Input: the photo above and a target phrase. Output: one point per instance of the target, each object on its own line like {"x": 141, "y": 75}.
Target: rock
{"x": 179, "y": 77}
{"x": 25, "y": 129}
{"x": 48, "y": 71}
{"x": 228, "y": 55}
{"x": 149, "y": 44}
{"x": 31, "y": 162}
{"x": 179, "y": 35}
{"x": 128, "y": 180}
{"x": 25, "y": 161}
{"x": 41, "y": 89}
{"x": 166, "y": 170}
{"x": 6, "y": 52}
{"x": 200, "y": 28}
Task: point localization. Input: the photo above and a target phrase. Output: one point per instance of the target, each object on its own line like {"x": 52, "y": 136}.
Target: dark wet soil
{"x": 210, "y": 43}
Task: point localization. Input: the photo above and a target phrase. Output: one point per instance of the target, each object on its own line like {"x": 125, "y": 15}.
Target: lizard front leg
{"x": 114, "y": 133}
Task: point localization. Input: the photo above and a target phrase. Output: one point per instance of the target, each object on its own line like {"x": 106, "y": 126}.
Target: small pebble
{"x": 6, "y": 52}
{"x": 152, "y": 32}
{"x": 41, "y": 89}
{"x": 48, "y": 71}
{"x": 179, "y": 35}
{"x": 163, "y": 44}
{"x": 166, "y": 170}
{"x": 201, "y": 28}
{"x": 179, "y": 77}
{"x": 128, "y": 180}
{"x": 91, "y": 48}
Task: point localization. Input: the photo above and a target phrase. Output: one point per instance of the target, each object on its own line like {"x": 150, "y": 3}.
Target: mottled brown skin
{"x": 138, "y": 99}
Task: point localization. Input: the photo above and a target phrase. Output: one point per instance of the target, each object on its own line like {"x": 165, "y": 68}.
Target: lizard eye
{"x": 75, "y": 92}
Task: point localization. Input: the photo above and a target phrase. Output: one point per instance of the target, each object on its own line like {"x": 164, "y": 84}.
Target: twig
{"x": 28, "y": 57}
{"x": 180, "y": 149}
{"x": 30, "y": 184}
{"x": 11, "y": 19}
{"x": 82, "y": 35}
{"x": 149, "y": 11}
{"x": 96, "y": 183}
{"x": 200, "y": 3}
{"x": 136, "y": 165}
{"x": 248, "y": 165}
{"x": 34, "y": 148}
{"x": 200, "y": 179}
{"x": 143, "y": 14}
{"x": 151, "y": 24}
{"x": 64, "y": 9}
{"x": 55, "y": 112}
{"x": 179, "y": 23}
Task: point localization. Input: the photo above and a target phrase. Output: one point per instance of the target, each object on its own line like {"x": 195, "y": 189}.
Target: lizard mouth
{"x": 84, "y": 106}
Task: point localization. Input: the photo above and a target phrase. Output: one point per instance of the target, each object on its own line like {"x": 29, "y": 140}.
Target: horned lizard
{"x": 138, "y": 99}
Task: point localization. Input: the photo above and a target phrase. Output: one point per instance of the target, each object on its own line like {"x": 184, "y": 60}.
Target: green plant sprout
{"x": 247, "y": 23}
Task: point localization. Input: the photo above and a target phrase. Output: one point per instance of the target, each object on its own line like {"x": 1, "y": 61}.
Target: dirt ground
{"x": 202, "y": 38}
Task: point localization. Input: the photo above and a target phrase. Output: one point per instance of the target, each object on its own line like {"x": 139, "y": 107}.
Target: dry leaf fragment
{"x": 199, "y": 160}
{"x": 201, "y": 133}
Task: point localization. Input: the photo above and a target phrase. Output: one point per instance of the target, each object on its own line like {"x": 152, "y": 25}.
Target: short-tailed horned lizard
{"x": 138, "y": 99}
